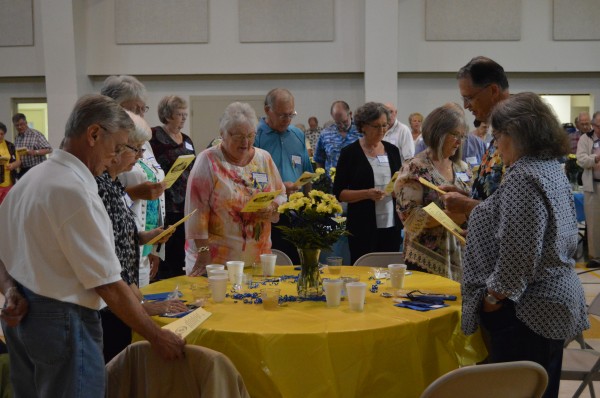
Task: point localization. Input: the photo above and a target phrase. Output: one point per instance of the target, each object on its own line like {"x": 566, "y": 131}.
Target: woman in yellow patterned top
{"x": 428, "y": 246}
{"x": 222, "y": 181}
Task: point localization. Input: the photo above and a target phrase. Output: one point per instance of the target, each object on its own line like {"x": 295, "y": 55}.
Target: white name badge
{"x": 383, "y": 159}
{"x": 260, "y": 177}
{"x": 597, "y": 144}
{"x": 189, "y": 146}
{"x": 472, "y": 160}
{"x": 296, "y": 159}
{"x": 462, "y": 176}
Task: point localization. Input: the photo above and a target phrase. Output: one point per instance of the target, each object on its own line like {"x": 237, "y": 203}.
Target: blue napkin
{"x": 420, "y": 306}
{"x": 160, "y": 296}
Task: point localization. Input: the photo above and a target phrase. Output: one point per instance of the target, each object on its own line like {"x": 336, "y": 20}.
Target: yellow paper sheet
{"x": 305, "y": 178}
{"x": 187, "y": 324}
{"x": 434, "y": 211}
{"x": 22, "y": 151}
{"x": 3, "y": 161}
{"x": 389, "y": 188}
{"x": 259, "y": 201}
{"x": 170, "y": 229}
{"x": 178, "y": 167}
{"x": 430, "y": 185}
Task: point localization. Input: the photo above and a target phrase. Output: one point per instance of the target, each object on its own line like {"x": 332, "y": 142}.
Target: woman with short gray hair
{"x": 223, "y": 180}
{"x": 427, "y": 245}
{"x": 519, "y": 279}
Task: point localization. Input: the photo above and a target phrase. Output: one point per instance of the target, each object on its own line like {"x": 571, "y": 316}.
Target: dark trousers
{"x": 512, "y": 340}
{"x": 116, "y": 334}
{"x": 22, "y": 171}
{"x": 277, "y": 241}
{"x": 174, "y": 250}
{"x": 381, "y": 240}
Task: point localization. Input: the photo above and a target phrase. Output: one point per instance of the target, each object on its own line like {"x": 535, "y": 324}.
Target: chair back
{"x": 521, "y": 379}
{"x": 138, "y": 371}
{"x": 380, "y": 259}
{"x": 282, "y": 258}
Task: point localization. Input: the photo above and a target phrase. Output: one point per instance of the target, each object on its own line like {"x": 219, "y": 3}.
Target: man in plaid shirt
{"x": 36, "y": 144}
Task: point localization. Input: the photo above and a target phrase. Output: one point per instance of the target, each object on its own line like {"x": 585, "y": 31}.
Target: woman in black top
{"x": 364, "y": 169}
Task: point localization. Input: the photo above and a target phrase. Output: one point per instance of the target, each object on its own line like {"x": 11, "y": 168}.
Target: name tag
{"x": 189, "y": 146}
{"x": 260, "y": 177}
{"x": 462, "y": 176}
{"x": 296, "y": 159}
{"x": 472, "y": 160}
{"x": 382, "y": 159}
{"x": 597, "y": 144}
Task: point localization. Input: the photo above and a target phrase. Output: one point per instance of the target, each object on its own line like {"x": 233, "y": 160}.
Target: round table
{"x": 305, "y": 349}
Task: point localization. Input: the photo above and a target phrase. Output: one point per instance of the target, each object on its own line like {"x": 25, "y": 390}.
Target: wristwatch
{"x": 203, "y": 249}
{"x": 491, "y": 299}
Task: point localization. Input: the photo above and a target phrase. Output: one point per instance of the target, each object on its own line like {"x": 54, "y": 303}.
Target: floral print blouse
{"x": 219, "y": 190}
{"x": 434, "y": 249}
{"x": 489, "y": 174}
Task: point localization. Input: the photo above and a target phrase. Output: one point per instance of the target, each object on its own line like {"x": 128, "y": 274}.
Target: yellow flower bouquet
{"x": 315, "y": 224}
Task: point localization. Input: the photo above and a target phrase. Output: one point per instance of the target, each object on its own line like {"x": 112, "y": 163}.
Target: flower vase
{"x": 309, "y": 283}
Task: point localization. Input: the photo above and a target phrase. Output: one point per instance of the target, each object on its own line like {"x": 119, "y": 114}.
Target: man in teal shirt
{"x": 287, "y": 146}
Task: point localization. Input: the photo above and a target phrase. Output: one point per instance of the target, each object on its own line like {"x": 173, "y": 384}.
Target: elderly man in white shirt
{"x": 399, "y": 134}
{"x": 61, "y": 255}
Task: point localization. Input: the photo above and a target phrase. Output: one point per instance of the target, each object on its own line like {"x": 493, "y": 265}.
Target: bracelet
{"x": 203, "y": 249}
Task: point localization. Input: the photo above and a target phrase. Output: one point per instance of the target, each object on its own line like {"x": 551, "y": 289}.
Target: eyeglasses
{"x": 496, "y": 135}
{"x": 242, "y": 137}
{"x": 119, "y": 149}
{"x": 137, "y": 151}
{"x": 141, "y": 110}
{"x": 285, "y": 116}
{"x": 379, "y": 126}
{"x": 182, "y": 114}
{"x": 469, "y": 99}
{"x": 457, "y": 136}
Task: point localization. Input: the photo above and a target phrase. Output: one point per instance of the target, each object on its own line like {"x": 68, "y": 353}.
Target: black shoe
{"x": 594, "y": 263}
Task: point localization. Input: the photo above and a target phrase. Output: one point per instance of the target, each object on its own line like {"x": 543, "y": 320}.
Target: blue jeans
{"x": 56, "y": 350}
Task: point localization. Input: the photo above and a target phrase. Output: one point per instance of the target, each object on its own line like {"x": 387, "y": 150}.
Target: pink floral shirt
{"x": 219, "y": 190}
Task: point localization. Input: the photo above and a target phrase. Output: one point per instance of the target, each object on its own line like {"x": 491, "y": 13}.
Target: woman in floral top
{"x": 429, "y": 246}
{"x": 223, "y": 180}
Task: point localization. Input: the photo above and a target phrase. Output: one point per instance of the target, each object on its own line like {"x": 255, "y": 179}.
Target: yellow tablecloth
{"x": 308, "y": 350}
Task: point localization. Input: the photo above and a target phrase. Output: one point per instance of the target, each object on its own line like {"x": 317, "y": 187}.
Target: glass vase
{"x": 309, "y": 282}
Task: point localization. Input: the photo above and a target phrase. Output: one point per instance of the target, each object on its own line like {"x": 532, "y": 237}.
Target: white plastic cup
{"x": 236, "y": 271}
{"x": 215, "y": 272}
{"x": 333, "y": 291}
{"x": 218, "y": 287}
{"x": 356, "y": 292}
{"x": 397, "y": 272}
{"x": 268, "y": 264}
{"x": 214, "y": 267}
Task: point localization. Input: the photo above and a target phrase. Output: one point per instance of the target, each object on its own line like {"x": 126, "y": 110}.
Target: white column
{"x": 381, "y": 51}
{"x": 63, "y": 63}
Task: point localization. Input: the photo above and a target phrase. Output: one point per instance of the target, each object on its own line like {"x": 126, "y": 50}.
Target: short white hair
{"x": 142, "y": 131}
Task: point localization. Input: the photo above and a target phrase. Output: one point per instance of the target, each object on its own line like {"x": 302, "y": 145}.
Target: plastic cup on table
{"x": 334, "y": 265}
{"x": 214, "y": 267}
{"x": 200, "y": 293}
{"x": 397, "y": 272}
{"x": 215, "y": 272}
{"x": 218, "y": 287}
{"x": 270, "y": 297}
{"x": 356, "y": 292}
{"x": 268, "y": 264}
{"x": 236, "y": 271}
{"x": 333, "y": 291}
{"x": 346, "y": 279}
